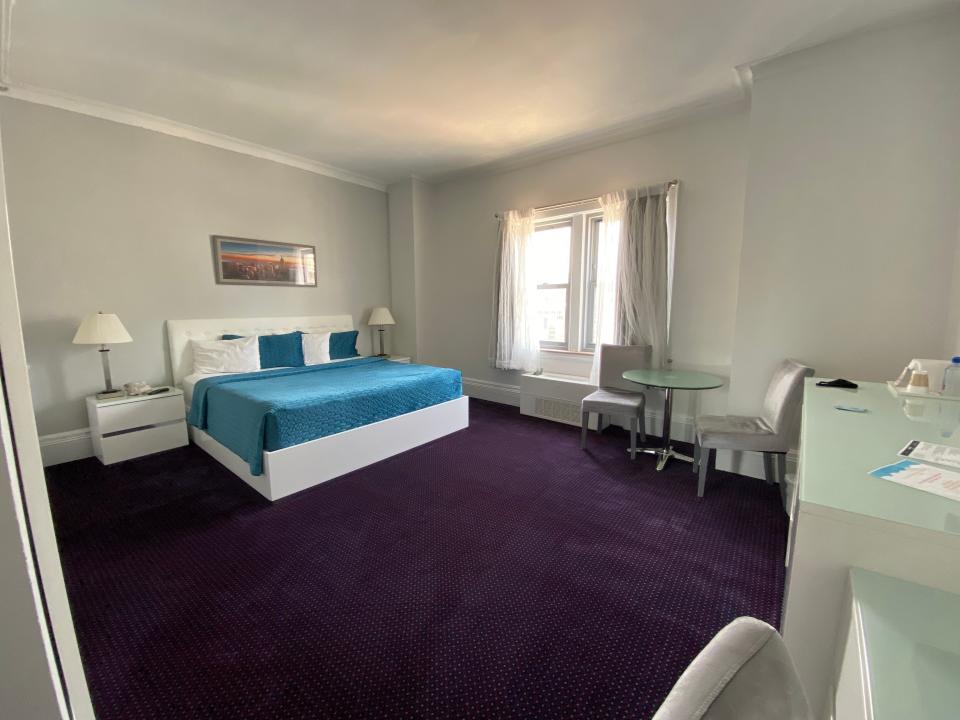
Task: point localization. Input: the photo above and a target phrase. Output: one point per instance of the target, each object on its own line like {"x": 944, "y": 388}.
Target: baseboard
{"x": 66, "y": 446}
{"x": 492, "y": 391}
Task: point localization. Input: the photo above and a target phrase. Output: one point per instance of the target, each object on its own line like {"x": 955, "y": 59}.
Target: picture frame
{"x": 245, "y": 261}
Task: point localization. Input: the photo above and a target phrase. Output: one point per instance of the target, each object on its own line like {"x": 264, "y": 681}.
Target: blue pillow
{"x": 342, "y": 345}
{"x": 278, "y": 350}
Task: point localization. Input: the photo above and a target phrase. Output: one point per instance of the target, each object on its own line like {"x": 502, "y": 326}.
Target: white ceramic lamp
{"x": 381, "y": 316}
{"x": 103, "y": 329}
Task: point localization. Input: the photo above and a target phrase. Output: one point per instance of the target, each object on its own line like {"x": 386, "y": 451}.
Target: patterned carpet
{"x": 500, "y": 572}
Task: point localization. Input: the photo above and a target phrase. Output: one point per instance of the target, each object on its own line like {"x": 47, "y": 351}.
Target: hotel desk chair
{"x": 617, "y": 396}
{"x": 771, "y": 434}
{"x": 744, "y": 673}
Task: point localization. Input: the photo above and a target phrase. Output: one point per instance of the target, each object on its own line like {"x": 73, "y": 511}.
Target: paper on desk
{"x": 932, "y": 452}
{"x": 922, "y": 477}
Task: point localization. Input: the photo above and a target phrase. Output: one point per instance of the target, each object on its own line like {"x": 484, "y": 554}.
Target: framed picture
{"x": 239, "y": 261}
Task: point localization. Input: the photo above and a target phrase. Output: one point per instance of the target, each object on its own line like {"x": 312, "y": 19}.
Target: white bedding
{"x": 190, "y": 380}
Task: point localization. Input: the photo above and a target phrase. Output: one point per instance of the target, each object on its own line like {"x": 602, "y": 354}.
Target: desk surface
{"x": 839, "y": 449}
{"x": 911, "y": 639}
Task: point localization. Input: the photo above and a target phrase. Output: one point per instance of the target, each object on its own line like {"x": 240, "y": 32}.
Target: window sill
{"x": 558, "y": 351}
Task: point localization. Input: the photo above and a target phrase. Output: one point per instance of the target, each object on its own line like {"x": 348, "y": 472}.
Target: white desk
{"x": 901, "y": 658}
{"x": 844, "y": 518}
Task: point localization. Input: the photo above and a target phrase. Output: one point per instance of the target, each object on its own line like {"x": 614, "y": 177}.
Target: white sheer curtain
{"x": 516, "y": 337}
{"x": 614, "y": 206}
{"x": 635, "y": 271}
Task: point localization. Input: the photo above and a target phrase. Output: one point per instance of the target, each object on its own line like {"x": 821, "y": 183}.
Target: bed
{"x": 286, "y": 429}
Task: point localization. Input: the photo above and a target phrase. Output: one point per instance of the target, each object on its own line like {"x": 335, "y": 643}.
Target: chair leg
{"x": 781, "y": 466}
{"x": 704, "y": 463}
{"x": 599, "y": 423}
{"x": 584, "y": 425}
{"x": 696, "y": 454}
{"x": 768, "y": 469}
{"x": 633, "y": 437}
{"x": 642, "y": 421}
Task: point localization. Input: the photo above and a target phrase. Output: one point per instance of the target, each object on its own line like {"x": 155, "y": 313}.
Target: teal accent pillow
{"x": 343, "y": 345}
{"x": 278, "y": 350}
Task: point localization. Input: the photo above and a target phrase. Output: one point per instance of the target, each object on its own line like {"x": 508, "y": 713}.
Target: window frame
{"x": 592, "y": 223}
{"x": 567, "y": 286}
{"x": 579, "y": 218}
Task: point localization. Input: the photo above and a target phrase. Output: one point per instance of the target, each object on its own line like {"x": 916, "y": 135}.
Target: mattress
{"x": 250, "y": 413}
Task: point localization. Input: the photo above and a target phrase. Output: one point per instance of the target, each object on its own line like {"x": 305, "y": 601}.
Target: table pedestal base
{"x": 666, "y": 451}
{"x": 663, "y": 455}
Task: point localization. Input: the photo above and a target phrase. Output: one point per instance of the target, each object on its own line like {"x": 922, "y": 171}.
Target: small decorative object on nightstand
{"x": 381, "y": 316}
{"x": 132, "y": 426}
{"x": 103, "y": 329}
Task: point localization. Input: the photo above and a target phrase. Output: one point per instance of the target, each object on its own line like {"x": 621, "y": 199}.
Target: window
{"x": 551, "y": 249}
{"x": 594, "y": 228}
{"x": 564, "y": 253}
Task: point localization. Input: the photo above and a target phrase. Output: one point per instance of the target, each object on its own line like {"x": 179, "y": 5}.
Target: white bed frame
{"x": 302, "y": 466}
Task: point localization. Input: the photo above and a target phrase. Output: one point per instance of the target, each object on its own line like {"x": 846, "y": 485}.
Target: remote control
{"x": 158, "y": 391}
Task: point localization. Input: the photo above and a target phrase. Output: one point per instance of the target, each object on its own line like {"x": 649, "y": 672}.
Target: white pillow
{"x": 226, "y": 356}
{"x": 316, "y": 348}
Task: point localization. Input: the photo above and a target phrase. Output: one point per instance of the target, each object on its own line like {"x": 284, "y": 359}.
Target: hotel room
{"x": 480, "y": 360}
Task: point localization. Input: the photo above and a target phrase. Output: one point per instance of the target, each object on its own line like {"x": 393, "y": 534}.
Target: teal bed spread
{"x": 274, "y": 409}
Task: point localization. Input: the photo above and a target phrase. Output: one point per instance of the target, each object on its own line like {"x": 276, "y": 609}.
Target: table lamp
{"x": 103, "y": 329}
{"x": 381, "y": 316}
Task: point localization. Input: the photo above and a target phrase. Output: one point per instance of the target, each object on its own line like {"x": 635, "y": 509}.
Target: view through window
{"x": 564, "y": 256}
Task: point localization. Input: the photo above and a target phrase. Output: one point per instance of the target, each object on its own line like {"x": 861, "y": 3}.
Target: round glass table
{"x": 668, "y": 381}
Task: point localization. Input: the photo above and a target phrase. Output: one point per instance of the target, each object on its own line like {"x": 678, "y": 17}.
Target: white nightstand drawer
{"x": 143, "y": 442}
{"x": 124, "y": 416}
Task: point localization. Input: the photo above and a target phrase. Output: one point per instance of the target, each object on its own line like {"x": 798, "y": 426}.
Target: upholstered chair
{"x": 616, "y": 396}
{"x": 744, "y": 673}
{"x": 772, "y": 433}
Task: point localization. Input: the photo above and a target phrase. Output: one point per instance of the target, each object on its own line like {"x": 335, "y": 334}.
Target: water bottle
{"x": 951, "y": 378}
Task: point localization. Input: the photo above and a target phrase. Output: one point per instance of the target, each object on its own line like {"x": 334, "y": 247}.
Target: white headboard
{"x": 181, "y": 332}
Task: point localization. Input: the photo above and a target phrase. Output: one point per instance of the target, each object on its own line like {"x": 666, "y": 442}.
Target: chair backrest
{"x": 781, "y": 406}
{"x": 744, "y": 673}
{"x": 615, "y": 359}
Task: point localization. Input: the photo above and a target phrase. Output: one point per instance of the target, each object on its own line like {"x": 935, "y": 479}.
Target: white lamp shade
{"x": 101, "y": 329}
{"x": 381, "y": 316}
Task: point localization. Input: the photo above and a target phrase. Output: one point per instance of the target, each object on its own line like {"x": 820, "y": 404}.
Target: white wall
{"x": 110, "y": 217}
{"x": 952, "y": 338}
{"x": 707, "y": 155}
{"x": 408, "y": 201}
{"x": 851, "y": 216}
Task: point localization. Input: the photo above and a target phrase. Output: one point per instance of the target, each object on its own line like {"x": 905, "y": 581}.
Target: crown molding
{"x": 630, "y": 130}
{"x": 135, "y": 118}
{"x": 146, "y": 121}
{"x": 933, "y": 15}
{"x": 745, "y": 79}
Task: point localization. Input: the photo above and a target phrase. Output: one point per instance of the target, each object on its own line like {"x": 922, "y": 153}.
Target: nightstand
{"x": 394, "y": 358}
{"x": 136, "y": 425}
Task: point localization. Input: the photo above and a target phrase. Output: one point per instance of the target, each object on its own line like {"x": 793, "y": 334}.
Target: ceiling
{"x": 392, "y": 88}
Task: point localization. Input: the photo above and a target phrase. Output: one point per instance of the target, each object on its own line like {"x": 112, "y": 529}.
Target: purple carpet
{"x": 500, "y": 572}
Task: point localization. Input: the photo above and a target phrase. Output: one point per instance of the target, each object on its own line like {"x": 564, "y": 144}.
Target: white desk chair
{"x": 744, "y": 673}
{"x": 771, "y": 433}
{"x": 617, "y": 396}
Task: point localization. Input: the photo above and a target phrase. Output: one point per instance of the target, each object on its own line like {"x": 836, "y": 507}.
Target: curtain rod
{"x": 571, "y": 203}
